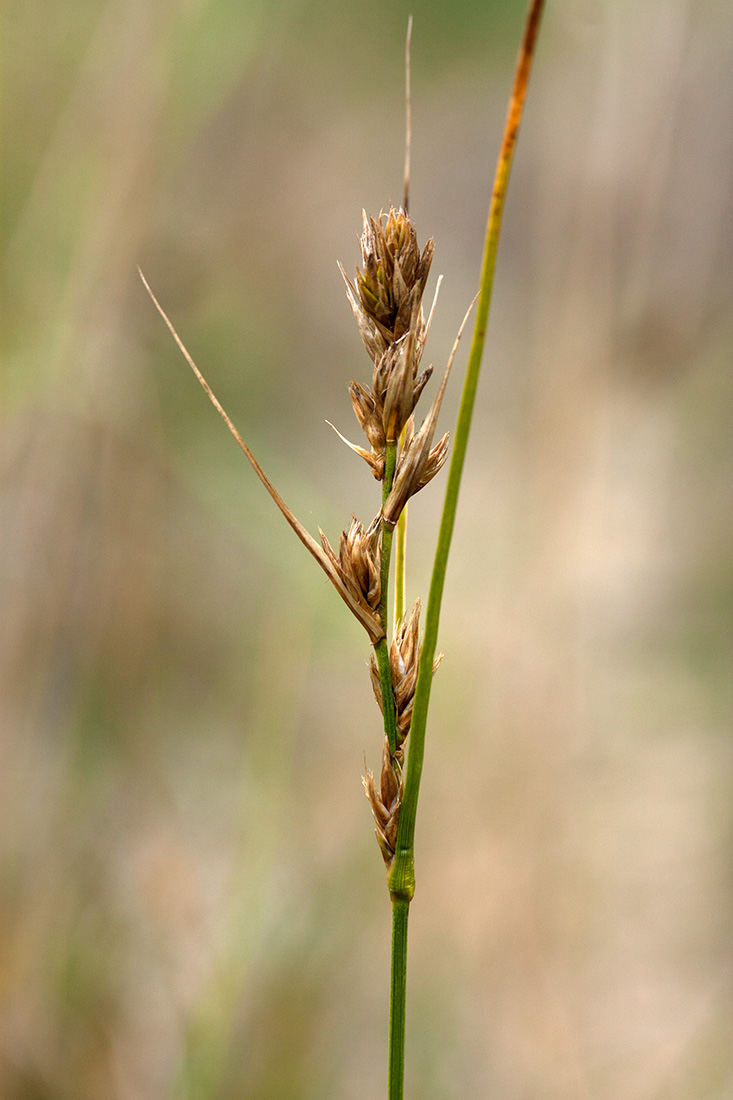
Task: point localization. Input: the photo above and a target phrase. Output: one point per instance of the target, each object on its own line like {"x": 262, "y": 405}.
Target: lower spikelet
{"x": 385, "y": 803}
{"x": 404, "y": 660}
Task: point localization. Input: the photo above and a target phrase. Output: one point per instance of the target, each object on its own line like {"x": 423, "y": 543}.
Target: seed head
{"x": 386, "y": 298}
{"x": 394, "y": 272}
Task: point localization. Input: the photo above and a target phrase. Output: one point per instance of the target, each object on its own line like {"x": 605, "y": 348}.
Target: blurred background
{"x": 192, "y": 903}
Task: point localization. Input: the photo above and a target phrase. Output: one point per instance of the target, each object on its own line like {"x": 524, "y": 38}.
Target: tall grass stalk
{"x": 402, "y": 876}
{"x": 386, "y": 299}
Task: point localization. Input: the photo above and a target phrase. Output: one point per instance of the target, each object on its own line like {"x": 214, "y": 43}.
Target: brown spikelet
{"x": 386, "y": 299}
{"x": 376, "y": 682}
{"x": 393, "y": 275}
{"x": 369, "y": 414}
{"x": 358, "y": 562}
{"x": 404, "y": 660}
{"x": 385, "y": 804}
{"x": 419, "y": 460}
{"x": 435, "y": 462}
{"x": 417, "y": 465}
{"x": 369, "y": 331}
{"x": 399, "y": 392}
{"x": 404, "y": 657}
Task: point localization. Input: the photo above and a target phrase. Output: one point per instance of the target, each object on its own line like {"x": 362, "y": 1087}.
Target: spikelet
{"x": 358, "y": 562}
{"x": 417, "y": 465}
{"x": 391, "y": 281}
{"x": 385, "y": 804}
{"x": 404, "y": 660}
{"x": 419, "y": 460}
{"x": 386, "y": 299}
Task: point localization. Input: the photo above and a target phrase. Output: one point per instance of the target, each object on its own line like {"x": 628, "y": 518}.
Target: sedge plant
{"x": 386, "y": 297}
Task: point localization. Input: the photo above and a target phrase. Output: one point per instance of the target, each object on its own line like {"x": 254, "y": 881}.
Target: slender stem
{"x": 381, "y": 652}
{"x": 381, "y": 649}
{"x": 402, "y": 875}
{"x": 400, "y": 567}
{"x": 401, "y": 546}
{"x": 400, "y": 905}
{"x": 400, "y": 913}
{"x": 387, "y": 536}
{"x": 390, "y": 462}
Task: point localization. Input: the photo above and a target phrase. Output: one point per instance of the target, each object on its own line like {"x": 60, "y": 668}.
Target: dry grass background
{"x": 191, "y": 901}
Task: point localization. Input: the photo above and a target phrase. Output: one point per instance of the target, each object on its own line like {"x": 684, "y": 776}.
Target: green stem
{"x": 400, "y": 913}
{"x": 387, "y": 535}
{"x": 400, "y": 567}
{"x": 381, "y": 649}
{"x": 390, "y": 462}
{"x": 381, "y": 652}
{"x": 401, "y": 879}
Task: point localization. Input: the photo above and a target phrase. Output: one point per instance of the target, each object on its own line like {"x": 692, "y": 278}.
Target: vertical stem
{"x": 390, "y": 462}
{"x": 401, "y": 547}
{"x": 381, "y": 653}
{"x": 387, "y": 534}
{"x": 381, "y": 649}
{"x": 398, "y": 990}
{"x": 400, "y": 562}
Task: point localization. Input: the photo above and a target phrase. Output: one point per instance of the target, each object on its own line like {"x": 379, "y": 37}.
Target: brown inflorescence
{"x": 386, "y": 298}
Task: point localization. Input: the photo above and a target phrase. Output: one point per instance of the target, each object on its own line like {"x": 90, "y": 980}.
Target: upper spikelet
{"x": 386, "y": 298}
{"x": 392, "y": 279}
